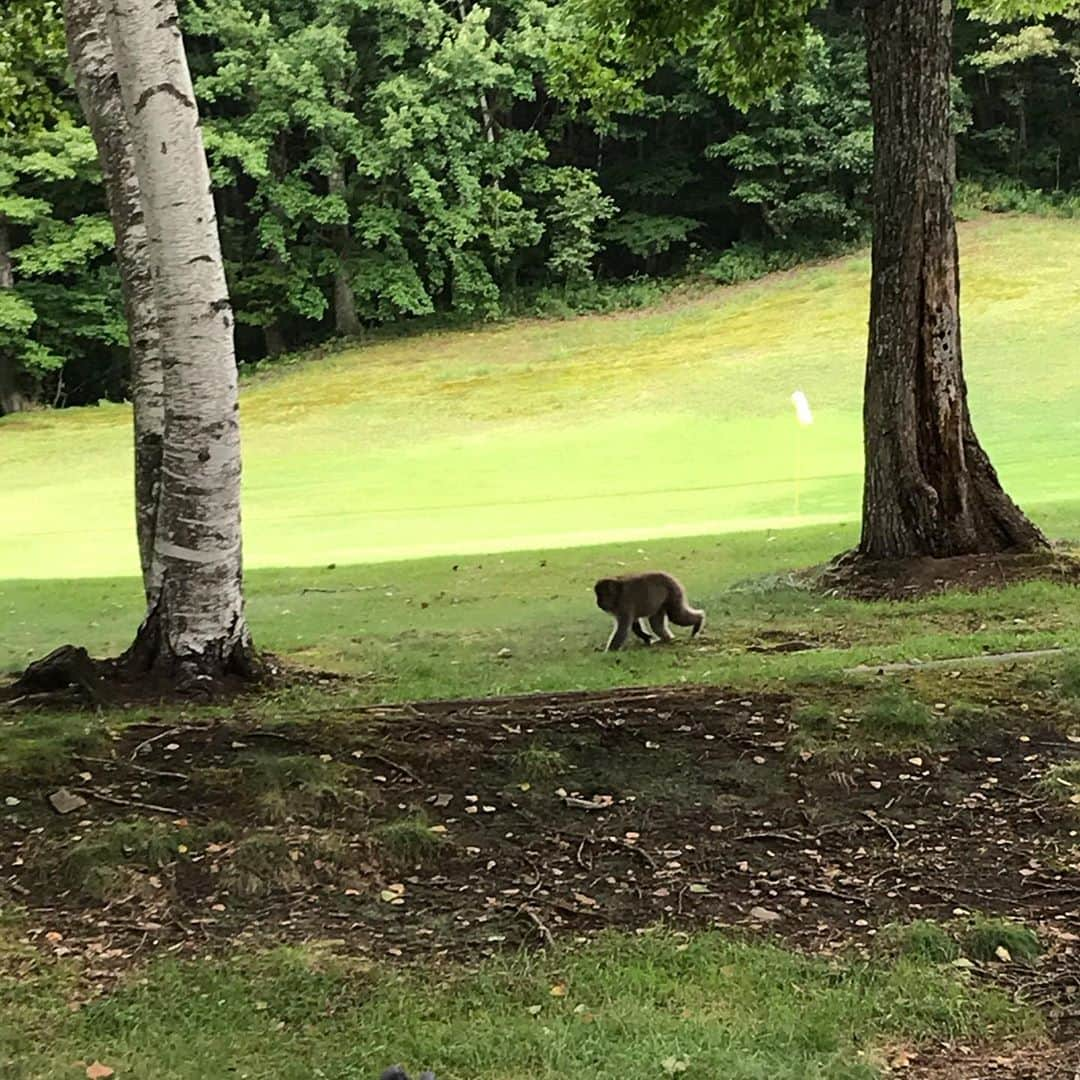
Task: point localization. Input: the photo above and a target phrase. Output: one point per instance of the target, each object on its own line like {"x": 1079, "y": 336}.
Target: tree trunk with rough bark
{"x": 346, "y": 321}
{"x": 930, "y": 488}
{"x": 12, "y": 399}
{"x": 274, "y": 339}
{"x": 197, "y": 628}
{"x": 98, "y": 86}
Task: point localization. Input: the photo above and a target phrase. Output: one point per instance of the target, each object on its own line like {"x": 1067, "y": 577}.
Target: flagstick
{"x": 798, "y": 466}
{"x": 804, "y": 418}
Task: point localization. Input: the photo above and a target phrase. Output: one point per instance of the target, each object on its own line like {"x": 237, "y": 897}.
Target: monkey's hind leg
{"x": 658, "y": 622}
{"x": 684, "y": 615}
{"x": 618, "y": 635}
{"x": 642, "y": 633}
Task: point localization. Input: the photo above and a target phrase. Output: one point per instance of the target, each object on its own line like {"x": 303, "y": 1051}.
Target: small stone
{"x": 11, "y": 801}
{"x": 64, "y": 802}
{"x": 504, "y": 654}
{"x": 764, "y": 915}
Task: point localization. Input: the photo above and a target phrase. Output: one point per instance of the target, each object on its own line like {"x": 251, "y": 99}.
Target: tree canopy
{"x": 379, "y": 164}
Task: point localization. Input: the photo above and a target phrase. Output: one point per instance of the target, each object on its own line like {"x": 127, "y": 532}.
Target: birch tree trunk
{"x": 930, "y": 488}
{"x": 98, "y": 86}
{"x": 197, "y": 628}
{"x": 12, "y": 399}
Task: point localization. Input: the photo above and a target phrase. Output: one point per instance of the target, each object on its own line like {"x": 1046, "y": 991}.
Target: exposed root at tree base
{"x": 69, "y": 676}
{"x": 859, "y": 578}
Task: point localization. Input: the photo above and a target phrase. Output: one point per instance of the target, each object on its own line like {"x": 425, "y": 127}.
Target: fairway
{"x": 672, "y": 422}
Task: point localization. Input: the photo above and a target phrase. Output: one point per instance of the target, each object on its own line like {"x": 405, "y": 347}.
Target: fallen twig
{"x": 153, "y": 739}
{"x": 348, "y": 588}
{"x": 535, "y": 919}
{"x": 791, "y": 838}
{"x": 392, "y": 765}
{"x": 115, "y": 800}
{"x": 262, "y": 733}
{"x": 640, "y": 852}
{"x": 824, "y": 890}
{"x": 163, "y": 773}
{"x": 871, "y": 816}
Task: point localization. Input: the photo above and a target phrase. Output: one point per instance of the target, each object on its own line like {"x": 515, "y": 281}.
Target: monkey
{"x": 653, "y": 596}
{"x": 396, "y": 1072}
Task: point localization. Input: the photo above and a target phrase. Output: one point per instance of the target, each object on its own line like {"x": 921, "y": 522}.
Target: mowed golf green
{"x": 542, "y": 434}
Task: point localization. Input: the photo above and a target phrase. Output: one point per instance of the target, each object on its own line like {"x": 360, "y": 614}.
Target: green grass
{"x": 989, "y": 939}
{"x": 1063, "y": 782}
{"x": 632, "y": 433}
{"x": 279, "y": 786}
{"x": 892, "y": 719}
{"x": 539, "y": 605}
{"x": 669, "y": 422}
{"x": 922, "y": 940}
{"x": 105, "y": 863}
{"x": 407, "y": 840}
{"x": 538, "y": 762}
{"x": 897, "y": 716}
{"x": 740, "y": 1011}
{"x": 422, "y": 508}
{"x": 982, "y": 938}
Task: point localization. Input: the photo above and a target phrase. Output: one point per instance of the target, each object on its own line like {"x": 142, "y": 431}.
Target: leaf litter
{"x": 674, "y": 805}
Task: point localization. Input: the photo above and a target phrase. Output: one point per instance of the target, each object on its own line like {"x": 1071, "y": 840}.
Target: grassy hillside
{"x": 672, "y": 422}
{"x": 420, "y": 513}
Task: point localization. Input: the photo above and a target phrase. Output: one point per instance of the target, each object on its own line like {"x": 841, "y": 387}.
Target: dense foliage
{"x": 379, "y": 162}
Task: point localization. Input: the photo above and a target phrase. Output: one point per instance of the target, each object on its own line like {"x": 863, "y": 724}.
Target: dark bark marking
{"x": 162, "y": 88}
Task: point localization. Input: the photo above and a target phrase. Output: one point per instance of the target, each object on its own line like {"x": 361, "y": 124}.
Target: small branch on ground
{"x": 115, "y": 800}
{"x": 390, "y": 765}
{"x": 147, "y": 743}
{"x": 164, "y": 774}
{"x": 535, "y": 919}
{"x": 350, "y": 588}
{"x": 871, "y": 816}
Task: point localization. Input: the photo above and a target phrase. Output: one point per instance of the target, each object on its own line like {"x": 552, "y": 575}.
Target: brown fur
{"x": 656, "y": 596}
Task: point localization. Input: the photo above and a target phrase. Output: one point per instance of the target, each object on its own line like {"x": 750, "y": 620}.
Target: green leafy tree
{"x": 1023, "y": 65}
{"x": 63, "y": 299}
{"x": 367, "y": 156}
{"x": 58, "y": 290}
{"x": 803, "y": 160}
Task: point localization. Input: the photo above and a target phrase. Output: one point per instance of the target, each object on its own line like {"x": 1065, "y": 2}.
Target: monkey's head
{"x": 607, "y": 594}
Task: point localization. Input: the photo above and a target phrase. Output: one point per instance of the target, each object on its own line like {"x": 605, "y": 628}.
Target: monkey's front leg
{"x": 618, "y": 636}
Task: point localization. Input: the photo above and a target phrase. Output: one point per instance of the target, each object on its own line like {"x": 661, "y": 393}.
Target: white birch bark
{"x": 96, "y": 81}
{"x": 199, "y": 620}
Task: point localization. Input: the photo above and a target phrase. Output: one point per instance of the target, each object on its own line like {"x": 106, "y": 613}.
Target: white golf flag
{"x": 802, "y": 408}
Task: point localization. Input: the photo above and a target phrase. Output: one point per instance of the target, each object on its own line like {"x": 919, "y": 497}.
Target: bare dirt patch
{"x": 909, "y": 579}
{"x": 461, "y": 828}
{"x": 962, "y": 1062}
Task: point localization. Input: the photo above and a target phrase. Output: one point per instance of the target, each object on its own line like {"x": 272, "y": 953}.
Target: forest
{"x": 390, "y": 165}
